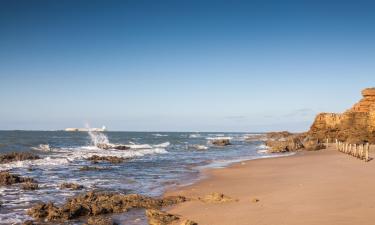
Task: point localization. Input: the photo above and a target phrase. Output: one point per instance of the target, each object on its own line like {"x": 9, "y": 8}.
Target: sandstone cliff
{"x": 356, "y": 125}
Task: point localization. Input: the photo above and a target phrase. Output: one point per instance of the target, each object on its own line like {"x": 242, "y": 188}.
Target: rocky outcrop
{"x": 7, "y": 178}
{"x": 220, "y": 142}
{"x": 96, "y": 204}
{"x": 288, "y": 142}
{"x": 111, "y": 159}
{"x": 356, "y": 125}
{"x": 112, "y": 146}
{"x": 100, "y": 221}
{"x": 72, "y": 186}
{"x": 29, "y": 186}
{"x": 17, "y": 156}
{"x": 157, "y": 217}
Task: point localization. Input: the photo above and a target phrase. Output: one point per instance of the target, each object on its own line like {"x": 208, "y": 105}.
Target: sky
{"x": 182, "y": 65}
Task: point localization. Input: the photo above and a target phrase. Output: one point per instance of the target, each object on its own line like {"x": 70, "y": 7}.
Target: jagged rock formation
{"x": 356, "y": 125}
{"x": 96, "y": 204}
{"x": 287, "y": 142}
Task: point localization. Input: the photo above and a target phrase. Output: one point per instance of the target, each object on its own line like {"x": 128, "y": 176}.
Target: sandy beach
{"x": 320, "y": 187}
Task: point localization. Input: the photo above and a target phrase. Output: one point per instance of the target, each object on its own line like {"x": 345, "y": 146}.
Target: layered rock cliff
{"x": 356, "y": 125}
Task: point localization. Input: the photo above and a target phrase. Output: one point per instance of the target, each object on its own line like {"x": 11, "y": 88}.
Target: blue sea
{"x": 156, "y": 161}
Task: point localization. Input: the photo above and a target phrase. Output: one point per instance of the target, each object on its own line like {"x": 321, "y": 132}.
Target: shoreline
{"x": 320, "y": 187}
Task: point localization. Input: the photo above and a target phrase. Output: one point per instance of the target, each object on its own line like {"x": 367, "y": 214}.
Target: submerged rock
{"x": 157, "y": 217}
{"x": 29, "y": 186}
{"x": 17, "y": 156}
{"x": 111, "y": 159}
{"x": 94, "y": 204}
{"x": 221, "y": 142}
{"x": 216, "y": 198}
{"x": 29, "y": 222}
{"x": 7, "y": 178}
{"x": 72, "y": 186}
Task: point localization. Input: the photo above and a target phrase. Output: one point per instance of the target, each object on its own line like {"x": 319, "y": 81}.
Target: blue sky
{"x": 182, "y": 65}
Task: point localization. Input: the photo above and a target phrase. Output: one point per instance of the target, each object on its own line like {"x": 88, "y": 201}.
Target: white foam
{"x": 262, "y": 147}
{"x": 160, "y": 135}
{"x": 219, "y": 138}
{"x": 194, "y": 135}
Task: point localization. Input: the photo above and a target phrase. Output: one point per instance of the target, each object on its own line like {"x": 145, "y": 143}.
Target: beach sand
{"x": 322, "y": 187}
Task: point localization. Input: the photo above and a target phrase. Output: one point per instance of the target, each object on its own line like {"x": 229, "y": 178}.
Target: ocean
{"x": 156, "y": 161}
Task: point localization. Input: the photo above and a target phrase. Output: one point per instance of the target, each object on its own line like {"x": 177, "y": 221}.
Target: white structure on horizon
{"x": 87, "y": 129}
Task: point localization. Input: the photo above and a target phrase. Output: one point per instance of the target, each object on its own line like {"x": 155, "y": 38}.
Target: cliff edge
{"x": 356, "y": 125}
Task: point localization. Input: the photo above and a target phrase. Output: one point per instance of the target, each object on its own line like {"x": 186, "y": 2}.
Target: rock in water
{"x": 7, "y": 178}
{"x": 29, "y": 186}
{"x": 111, "y": 159}
{"x": 221, "y": 142}
{"x": 112, "y": 146}
{"x": 356, "y": 125}
{"x": 17, "y": 156}
{"x": 95, "y": 204}
{"x": 71, "y": 186}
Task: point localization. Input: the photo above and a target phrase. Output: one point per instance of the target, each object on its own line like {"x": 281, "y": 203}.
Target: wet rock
{"x": 72, "y": 186}
{"x": 30, "y": 186}
{"x": 188, "y": 222}
{"x": 216, "y": 198}
{"x": 95, "y": 204}
{"x": 29, "y": 222}
{"x": 157, "y": 217}
{"x": 221, "y": 142}
{"x": 92, "y": 168}
{"x": 111, "y": 159}
{"x": 100, "y": 221}
{"x": 112, "y": 146}
{"x": 7, "y": 178}
{"x": 17, "y": 156}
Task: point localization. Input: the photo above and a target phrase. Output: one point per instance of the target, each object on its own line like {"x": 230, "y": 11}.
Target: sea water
{"x": 155, "y": 162}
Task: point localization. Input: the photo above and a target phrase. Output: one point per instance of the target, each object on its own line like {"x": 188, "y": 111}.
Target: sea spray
{"x": 98, "y": 138}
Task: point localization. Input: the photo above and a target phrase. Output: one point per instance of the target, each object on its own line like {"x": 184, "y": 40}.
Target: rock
{"x": 157, "y": 217}
{"x": 221, "y": 142}
{"x": 7, "y": 178}
{"x": 111, "y": 159}
{"x": 72, "y": 186}
{"x": 92, "y": 168}
{"x": 255, "y": 200}
{"x": 112, "y": 146}
{"x": 29, "y": 186}
{"x": 355, "y": 126}
{"x": 278, "y": 135}
{"x": 100, "y": 221}
{"x": 312, "y": 144}
{"x": 284, "y": 142}
{"x": 95, "y": 204}
{"x": 216, "y": 198}
{"x": 28, "y": 222}
{"x": 17, "y": 156}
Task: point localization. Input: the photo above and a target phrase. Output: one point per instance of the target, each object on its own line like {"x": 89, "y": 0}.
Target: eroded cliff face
{"x": 356, "y": 125}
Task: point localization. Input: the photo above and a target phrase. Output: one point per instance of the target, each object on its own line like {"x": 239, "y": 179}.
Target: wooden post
{"x": 367, "y": 152}
{"x": 361, "y": 151}
{"x": 337, "y": 145}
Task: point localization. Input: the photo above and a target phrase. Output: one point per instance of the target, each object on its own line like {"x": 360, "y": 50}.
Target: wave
{"x": 219, "y": 138}
{"x": 160, "y": 135}
{"x": 64, "y": 156}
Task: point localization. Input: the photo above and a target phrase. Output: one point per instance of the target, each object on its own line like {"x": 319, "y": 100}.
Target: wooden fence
{"x": 360, "y": 151}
